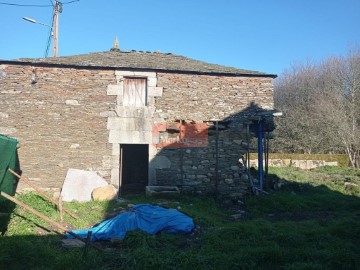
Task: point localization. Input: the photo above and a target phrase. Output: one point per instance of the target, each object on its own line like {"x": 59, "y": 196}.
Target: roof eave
{"x": 231, "y": 74}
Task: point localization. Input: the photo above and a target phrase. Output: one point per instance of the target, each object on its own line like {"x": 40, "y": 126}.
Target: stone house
{"x": 136, "y": 118}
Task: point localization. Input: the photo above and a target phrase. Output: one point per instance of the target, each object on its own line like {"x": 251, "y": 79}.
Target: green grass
{"x": 311, "y": 222}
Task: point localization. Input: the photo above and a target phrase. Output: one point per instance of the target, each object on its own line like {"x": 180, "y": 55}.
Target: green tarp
{"x": 8, "y": 159}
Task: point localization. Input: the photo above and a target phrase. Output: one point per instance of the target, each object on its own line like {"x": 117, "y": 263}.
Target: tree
{"x": 321, "y": 106}
{"x": 341, "y": 105}
{"x": 296, "y": 95}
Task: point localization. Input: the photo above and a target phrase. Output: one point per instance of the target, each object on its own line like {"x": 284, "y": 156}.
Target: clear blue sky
{"x": 263, "y": 35}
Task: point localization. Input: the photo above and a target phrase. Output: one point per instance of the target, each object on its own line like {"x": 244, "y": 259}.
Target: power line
{"x": 24, "y": 5}
{"x": 20, "y": 5}
{"x": 53, "y": 29}
{"x": 49, "y": 37}
{"x": 71, "y": 2}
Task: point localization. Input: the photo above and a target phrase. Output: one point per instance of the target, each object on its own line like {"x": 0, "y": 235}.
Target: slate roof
{"x": 140, "y": 60}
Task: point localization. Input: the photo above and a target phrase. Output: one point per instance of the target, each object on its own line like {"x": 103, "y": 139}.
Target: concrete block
{"x": 151, "y": 81}
{"x": 115, "y": 176}
{"x": 129, "y": 124}
{"x": 155, "y": 91}
{"x": 160, "y": 162}
{"x": 114, "y": 90}
{"x": 137, "y": 112}
{"x": 115, "y": 149}
{"x": 115, "y": 161}
{"x": 79, "y": 184}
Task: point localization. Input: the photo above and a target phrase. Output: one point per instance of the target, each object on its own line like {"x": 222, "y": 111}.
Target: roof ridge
{"x": 144, "y": 60}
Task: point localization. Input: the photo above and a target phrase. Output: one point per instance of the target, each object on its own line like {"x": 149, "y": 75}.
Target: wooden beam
{"x": 42, "y": 193}
{"x": 61, "y": 228}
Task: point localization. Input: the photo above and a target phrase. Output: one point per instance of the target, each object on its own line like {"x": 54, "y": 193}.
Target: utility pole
{"x": 54, "y": 27}
{"x": 57, "y": 10}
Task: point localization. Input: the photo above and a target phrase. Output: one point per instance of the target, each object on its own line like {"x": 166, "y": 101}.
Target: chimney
{"x": 115, "y": 47}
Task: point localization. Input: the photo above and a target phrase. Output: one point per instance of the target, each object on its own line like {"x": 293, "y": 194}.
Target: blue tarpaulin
{"x": 149, "y": 218}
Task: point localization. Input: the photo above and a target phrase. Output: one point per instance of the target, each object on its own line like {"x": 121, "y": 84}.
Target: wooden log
{"x": 87, "y": 241}
{"x": 42, "y": 193}
{"x": 61, "y": 209}
{"x": 61, "y": 228}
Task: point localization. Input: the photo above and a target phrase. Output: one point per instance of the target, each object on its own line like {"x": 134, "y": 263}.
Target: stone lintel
{"x": 134, "y": 137}
{"x": 129, "y": 124}
{"x": 134, "y": 74}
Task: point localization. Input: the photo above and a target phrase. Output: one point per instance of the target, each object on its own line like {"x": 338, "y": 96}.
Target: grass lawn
{"x": 311, "y": 222}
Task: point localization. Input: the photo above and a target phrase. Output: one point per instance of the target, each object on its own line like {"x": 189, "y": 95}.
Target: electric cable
{"x": 70, "y": 2}
{"x": 49, "y": 37}
{"x": 23, "y": 5}
{"x": 33, "y": 5}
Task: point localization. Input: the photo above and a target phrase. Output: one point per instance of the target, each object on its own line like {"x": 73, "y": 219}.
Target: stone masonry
{"x": 203, "y": 99}
{"x": 60, "y": 121}
{"x": 73, "y": 117}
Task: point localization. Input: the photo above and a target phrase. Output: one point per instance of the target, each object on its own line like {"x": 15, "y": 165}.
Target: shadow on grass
{"x": 323, "y": 197}
{"x": 6, "y": 208}
{"x": 300, "y": 226}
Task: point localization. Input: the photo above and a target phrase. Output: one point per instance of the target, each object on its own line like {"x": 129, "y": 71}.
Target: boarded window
{"x": 135, "y": 92}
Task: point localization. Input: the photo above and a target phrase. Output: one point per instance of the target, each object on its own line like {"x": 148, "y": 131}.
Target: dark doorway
{"x": 134, "y": 165}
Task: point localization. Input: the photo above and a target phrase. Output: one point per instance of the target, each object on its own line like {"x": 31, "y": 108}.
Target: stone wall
{"x": 302, "y": 164}
{"x": 74, "y": 118}
{"x": 200, "y": 99}
{"x": 199, "y": 170}
{"x": 131, "y": 125}
{"x": 59, "y": 116}
{"x": 203, "y": 97}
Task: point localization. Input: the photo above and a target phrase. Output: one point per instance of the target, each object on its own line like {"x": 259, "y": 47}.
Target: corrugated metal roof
{"x": 139, "y": 60}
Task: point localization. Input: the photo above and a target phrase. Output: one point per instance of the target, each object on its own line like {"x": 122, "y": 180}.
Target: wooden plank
{"x": 61, "y": 228}
{"x": 134, "y": 92}
{"x": 41, "y": 193}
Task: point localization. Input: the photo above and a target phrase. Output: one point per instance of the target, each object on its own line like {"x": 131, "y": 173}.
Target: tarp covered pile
{"x": 149, "y": 218}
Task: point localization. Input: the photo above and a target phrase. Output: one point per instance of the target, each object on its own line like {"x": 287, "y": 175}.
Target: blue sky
{"x": 263, "y": 35}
